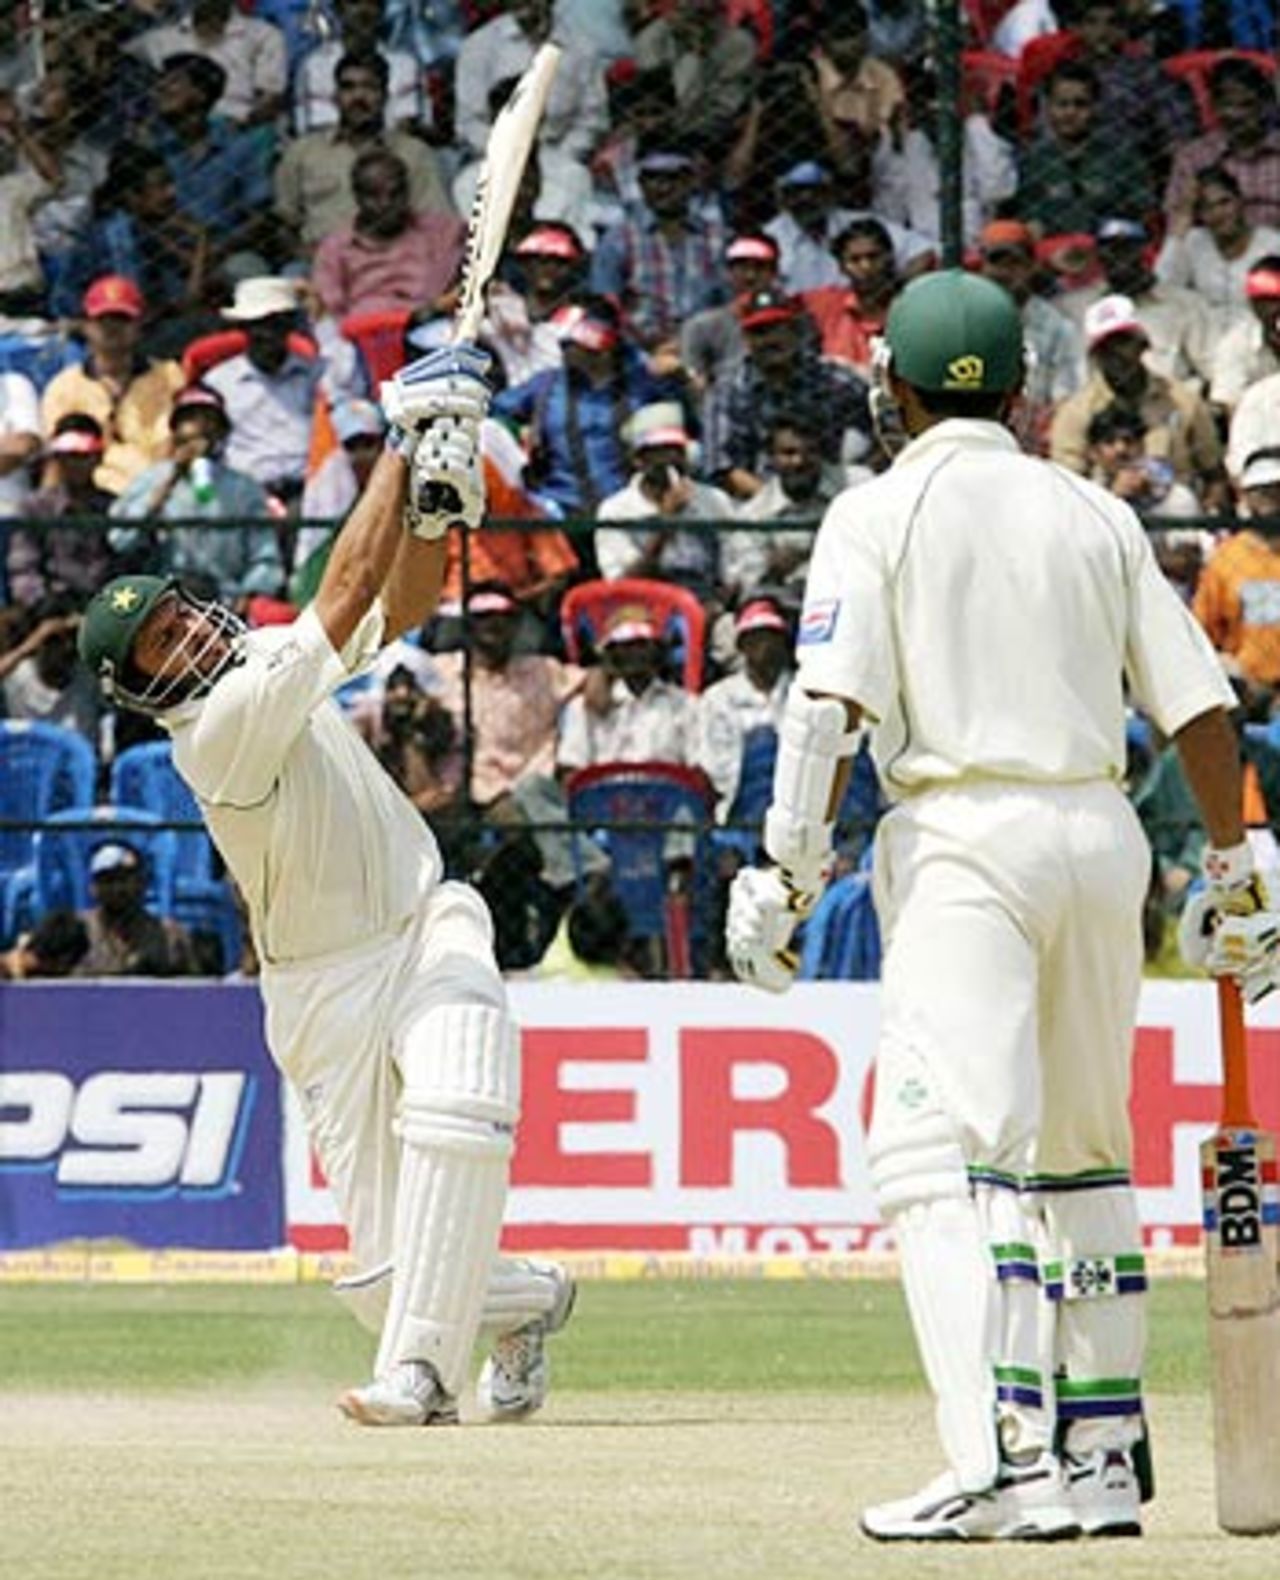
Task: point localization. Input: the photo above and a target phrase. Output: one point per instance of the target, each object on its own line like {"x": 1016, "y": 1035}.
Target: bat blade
{"x": 511, "y": 140}
{"x": 1242, "y": 1249}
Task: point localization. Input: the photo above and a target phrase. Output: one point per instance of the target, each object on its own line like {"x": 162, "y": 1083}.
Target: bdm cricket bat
{"x": 1242, "y": 1248}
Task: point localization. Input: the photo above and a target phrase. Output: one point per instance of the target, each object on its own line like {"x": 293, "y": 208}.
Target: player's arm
{"x": 1210, "y": 758}
{"x": 365, "y": 551}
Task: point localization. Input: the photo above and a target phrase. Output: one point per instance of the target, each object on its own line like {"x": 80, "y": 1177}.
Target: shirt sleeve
{"x": 1171, "y": 666}
{"x": 234, "y": 751}
{"x": 844, "y": 643}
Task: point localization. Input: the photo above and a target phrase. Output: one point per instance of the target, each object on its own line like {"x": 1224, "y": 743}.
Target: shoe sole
{"x": 1064, "y": 1533}
{"x": 1115, "y": 1528}
{"x": 355, "y": 1409}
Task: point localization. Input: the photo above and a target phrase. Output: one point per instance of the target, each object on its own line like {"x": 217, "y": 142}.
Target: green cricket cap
{"x": 953, "y": 330}
{"x": 113, "y": 619}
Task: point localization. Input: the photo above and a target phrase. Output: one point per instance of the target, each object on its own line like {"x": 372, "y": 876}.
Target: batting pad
{"x": 458, "y": 1108}
{"x": 1095, "y": 1279}
{"x": 1023, "y": 1357}
{"x": 518, "y": 1291}
{"x": 922, "y": 1187}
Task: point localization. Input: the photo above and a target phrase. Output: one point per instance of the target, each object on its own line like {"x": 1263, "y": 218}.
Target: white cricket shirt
{"x": 984, "y": 608}
{"x": 327, "y": 849}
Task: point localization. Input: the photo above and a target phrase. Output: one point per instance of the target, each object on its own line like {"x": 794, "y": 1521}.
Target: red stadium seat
{"x": 380, "y": 339}
{"x": 1193, "y": 69}
{"x": 985, "y": 76}
{"x": 206, "y": 351}
{"x": 674, "y": 610}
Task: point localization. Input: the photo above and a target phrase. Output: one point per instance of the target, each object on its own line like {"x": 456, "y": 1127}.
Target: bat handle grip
{"x": 1237, "y": 1109}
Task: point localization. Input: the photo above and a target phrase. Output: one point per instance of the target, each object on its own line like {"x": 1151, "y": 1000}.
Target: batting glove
{"x": 448, "y": 383}
{"x": 446, "y": 485}
{"x": 1248, "y": 948}
{"x": 1229, "y": 927}
{"x": 764, "y": 912}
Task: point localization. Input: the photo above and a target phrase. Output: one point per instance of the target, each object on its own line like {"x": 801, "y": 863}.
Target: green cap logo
{"x": 965, "y": 373}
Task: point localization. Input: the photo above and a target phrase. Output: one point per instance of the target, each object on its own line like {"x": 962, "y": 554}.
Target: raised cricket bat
{"x": 511, "y": 140}
{"x": 1242, "y": 1248}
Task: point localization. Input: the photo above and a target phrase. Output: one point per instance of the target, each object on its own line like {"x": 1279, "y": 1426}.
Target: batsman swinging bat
{"x": 510, "y": 142}
{"x": 1242, "y": 1244}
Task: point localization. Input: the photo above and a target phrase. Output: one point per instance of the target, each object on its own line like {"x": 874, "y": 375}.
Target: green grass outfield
{"x": 696, "y": 1429}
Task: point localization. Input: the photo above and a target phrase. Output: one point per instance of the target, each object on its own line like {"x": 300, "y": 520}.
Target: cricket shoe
{"x": 1103, "y": 1490}
{"x": 1027, "y": 1503}
{"x": 513, "y": 1381}
{"x": 410, "y": 1394}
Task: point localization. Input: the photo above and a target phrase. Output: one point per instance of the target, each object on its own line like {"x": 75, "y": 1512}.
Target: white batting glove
{"x": 446, "y": 482}
{"x": 764, "y": 912}
{"x": 446, "y": 383}
{"x": 1230, "y": 926}
{"x": 1248, "y": 948}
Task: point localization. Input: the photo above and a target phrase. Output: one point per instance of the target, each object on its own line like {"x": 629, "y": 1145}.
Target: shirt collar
{"x": 966, "y": 431}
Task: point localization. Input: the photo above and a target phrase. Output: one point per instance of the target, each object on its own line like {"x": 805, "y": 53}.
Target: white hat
{"x": 112, "y": 857}
{"x": 1261, "y": 469}
{"x": 661, "y": 423}
{"x": 1112, "y": 315}
{"x": 263, "y": 296}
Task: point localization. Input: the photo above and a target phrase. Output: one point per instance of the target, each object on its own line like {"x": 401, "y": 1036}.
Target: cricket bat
{"x": 1242, "y": 1248}
{"x": 511, "y": 140}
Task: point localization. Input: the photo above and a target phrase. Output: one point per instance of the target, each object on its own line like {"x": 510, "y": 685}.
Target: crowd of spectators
{"x": 222, "y": 221}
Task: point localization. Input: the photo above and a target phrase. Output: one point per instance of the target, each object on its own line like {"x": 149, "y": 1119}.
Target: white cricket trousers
{"x": 336, "y": 1026}
{"x": 1011, "y": 915}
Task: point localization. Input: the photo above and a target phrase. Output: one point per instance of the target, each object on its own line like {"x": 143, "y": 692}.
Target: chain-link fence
{"x": 225, "y": 224}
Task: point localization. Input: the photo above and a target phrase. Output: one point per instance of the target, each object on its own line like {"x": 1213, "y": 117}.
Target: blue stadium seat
{"x": 143, "y": 776}
{"x": 68, "y": 840}
{"x": 39, "y": 357}
{"x": 751, "y": 800}
{"x": 655, "y": 803}
{"x": 43, "y": 767}
{"x": 842, "y": 938}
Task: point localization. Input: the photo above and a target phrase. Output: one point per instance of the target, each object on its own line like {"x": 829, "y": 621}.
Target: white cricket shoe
{"x": 1027, "y": 1503}
{"x": 408, "y": 1395}
{"x": 1103, "y": 1491}
{"x": 513, "y": 1381}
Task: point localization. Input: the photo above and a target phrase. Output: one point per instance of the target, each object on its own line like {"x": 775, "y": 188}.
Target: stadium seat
{"x": 220, "y": 345}
{"x": 586, "y": 609}
{"x": 1194, "y": 66}
{"x": 751, "y": 800}
{"x": 43, "y": 767}
{"x": 841, "y": 940}
{"x": 987, "y": 77}
{"x": 64, "y": 846}
{"x": 39, "y": 357}
{"x": 642, "y": 813}
{"x": 144, "y": 777}
{"x": 379, "y": 337}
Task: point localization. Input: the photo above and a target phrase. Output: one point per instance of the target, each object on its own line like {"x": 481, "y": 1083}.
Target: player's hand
{"x": 448, "y": 383}
{"x": 1248, "y": 948}
{"x": 446, "y": 481}
{"x": 764, "y": 911}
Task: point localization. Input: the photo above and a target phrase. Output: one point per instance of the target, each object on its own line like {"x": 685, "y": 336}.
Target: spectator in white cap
{"x": 662, "y": 492}
{"x": 269, "y": 390}
{"x": 125, "y": 939}
{"x": 632, "y": 713}
{"x": 751, "y": 697}
{"x": 1179, "y": 424}
{"x": 236, "y": 550}
{"x": 1179, "y": 326}
{"x": 1237, "y": 598}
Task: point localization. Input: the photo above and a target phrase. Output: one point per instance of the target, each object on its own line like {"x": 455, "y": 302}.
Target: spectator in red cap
{"x": 130, "y": 396}
{"x": 781, "y": 371}
{"x": 752, "y": 697}
{"x": 75, "y": 558}
{"x": 390, "y": 256}
{"x": 547, "y": 267}
{"x": 240, "y": 558}
{"x": 1055, "y": 363}
{"x": 1250, "y": 351}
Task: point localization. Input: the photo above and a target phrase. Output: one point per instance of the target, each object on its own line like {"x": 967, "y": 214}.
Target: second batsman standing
{"x": 981, "y": 611}
{"x": 385, "y": 1008}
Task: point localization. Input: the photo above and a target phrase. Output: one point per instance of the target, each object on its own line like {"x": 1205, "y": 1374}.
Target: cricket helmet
{"x": 956, "y": 331}
{"x": 115, "y": 615}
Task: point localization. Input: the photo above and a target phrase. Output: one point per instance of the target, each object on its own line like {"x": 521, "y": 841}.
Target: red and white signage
{"x": 709, "y": 1119}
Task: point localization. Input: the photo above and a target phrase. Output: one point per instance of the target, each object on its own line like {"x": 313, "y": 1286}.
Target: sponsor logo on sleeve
{"x": 818, "y": 622}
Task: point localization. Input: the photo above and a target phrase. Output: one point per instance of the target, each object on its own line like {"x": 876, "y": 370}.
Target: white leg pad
{"x": 458, "y": 1109}
{"x": 1095, "y": 1280}
{"x": 1024, "y": 1360}
{"x": 922, "y": 1186}
{"x": 519, "y": 1291}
